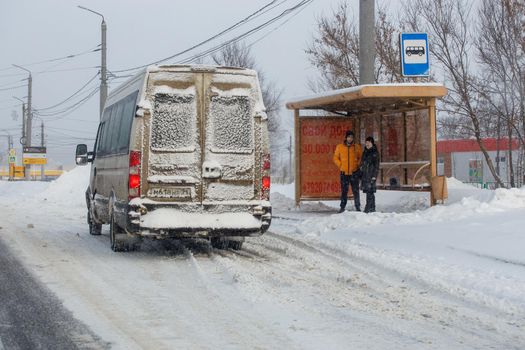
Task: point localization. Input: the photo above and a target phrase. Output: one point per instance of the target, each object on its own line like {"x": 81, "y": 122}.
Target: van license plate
{"x": 174, "y": 192}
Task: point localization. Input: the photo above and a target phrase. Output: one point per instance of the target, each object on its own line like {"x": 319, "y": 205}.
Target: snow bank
{"x": 485, "y": 202}
{"x": 471, "y": 247}
{"x": 68, "y": 190}
{"x": 455, "y": 184}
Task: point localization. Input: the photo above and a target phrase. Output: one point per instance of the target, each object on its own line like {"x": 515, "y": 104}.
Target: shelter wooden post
{"x": 433, "y": 151}
{"x": 297, "y": 158}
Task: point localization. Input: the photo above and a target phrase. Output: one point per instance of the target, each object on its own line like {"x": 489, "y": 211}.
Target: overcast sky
{"x": 139, "y": 32}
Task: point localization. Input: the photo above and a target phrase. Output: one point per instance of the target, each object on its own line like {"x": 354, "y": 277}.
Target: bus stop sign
{"x": 414, "y": 54}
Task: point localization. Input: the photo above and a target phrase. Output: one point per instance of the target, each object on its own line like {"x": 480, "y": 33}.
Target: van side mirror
{"x": 81, "y": 155}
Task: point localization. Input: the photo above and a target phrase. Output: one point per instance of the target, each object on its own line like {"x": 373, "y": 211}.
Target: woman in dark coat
{"x": 369, "y": 168}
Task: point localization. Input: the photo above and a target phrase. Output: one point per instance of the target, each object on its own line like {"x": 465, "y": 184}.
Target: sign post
{"x": 414, "y": 54}
{"x": 34, "y": 155}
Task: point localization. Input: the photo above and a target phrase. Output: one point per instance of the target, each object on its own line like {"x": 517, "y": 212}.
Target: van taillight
{"x": 265, "y": 185}
{"x": 134, "y": 174}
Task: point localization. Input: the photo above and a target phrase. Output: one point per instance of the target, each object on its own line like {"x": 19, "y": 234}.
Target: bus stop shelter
{"x": 400, "y": 117}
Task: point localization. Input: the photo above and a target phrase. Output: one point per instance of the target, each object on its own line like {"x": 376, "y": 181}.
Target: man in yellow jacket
{"x": 347, "y": 157}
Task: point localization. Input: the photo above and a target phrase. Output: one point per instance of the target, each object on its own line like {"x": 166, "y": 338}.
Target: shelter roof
{"x": 372, "y": 98}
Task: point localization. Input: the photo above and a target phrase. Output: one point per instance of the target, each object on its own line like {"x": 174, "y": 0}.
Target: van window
{"x": 174, "y": 119}
{"x": 97, "y": 139}
{"x": 232, "y": 123}
{"x": 116, "y": 117}
{"x": 102, "y": 132}
{"x": 105, "y": 144}
{"x": 128, "y": 112}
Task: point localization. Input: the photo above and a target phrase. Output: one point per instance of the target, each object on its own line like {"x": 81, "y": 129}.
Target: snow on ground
{"x": 407, "y": 277}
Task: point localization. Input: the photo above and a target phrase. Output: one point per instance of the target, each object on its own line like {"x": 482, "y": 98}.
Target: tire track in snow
{"x": 383, "y": 292}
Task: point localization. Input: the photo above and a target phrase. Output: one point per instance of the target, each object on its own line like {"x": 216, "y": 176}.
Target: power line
{"x": 248, "y": 33}
{"x": 70, "y": 97}
{"x": 62, "y": 129}
{"x": 95, "y": 49}
{"x": 68, "y": 110}
{"x": 245, "y": 20}
{"x": 83, "y": 96}
{"x": 277, "y": 27}
{"x": 66, "y": 70}
{"x": 12, "y": 83}
{"x": 13, "y": 88}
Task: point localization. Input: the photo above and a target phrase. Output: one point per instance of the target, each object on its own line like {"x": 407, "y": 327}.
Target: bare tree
{"x": 334, "y": 50}
{"x": 238, "y": 54}
{"x": 449, "y": 23}
{"x": 503, "y": 61}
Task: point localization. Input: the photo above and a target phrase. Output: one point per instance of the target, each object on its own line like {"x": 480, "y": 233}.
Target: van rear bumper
{"x": 160, "y": 220}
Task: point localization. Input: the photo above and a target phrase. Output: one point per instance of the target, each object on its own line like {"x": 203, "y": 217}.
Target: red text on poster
{"x": 318, "y": 139}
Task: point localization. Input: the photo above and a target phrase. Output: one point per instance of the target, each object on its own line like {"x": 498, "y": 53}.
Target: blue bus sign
{"x": 414, "y": 54}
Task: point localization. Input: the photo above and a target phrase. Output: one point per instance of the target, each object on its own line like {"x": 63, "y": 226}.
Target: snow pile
{"x": 284, "y": 203}
{"x": 471, "y": 247}
{"x": 486, "y": 202}
{"x": 455, "y": 184}
{"x": 68, "y": 190}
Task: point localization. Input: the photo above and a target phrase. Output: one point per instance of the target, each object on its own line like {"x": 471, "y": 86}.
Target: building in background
{"x": 463, "y": 160}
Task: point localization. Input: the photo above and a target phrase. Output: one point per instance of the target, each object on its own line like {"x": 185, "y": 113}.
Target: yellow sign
{"x": 18, "y": 171}
{"x": 12, "y": 152}
{"x": 38, "y": 161}
{"x": 34, "y": 158}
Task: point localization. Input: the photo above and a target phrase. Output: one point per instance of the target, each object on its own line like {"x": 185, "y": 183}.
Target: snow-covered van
{"x": 181, "y": 151}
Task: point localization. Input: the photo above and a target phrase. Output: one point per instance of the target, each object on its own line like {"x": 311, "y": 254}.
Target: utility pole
{"x": 29, "y": 117}
{"x": 42, "y": 177}
{"x": 103, "y": 67}
{"x": 367, "y": 36}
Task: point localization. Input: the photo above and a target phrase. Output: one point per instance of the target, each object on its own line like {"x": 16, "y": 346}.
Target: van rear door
{"x": 201, "y": 144}
{"x": 174, "y": 142}
{"x": 228, "y": 154}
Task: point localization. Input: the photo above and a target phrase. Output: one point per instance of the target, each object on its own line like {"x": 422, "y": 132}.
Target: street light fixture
{"x": 103, "y": 68}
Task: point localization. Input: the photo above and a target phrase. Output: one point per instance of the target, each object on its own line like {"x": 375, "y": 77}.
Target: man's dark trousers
{"x": 346, "y": 182}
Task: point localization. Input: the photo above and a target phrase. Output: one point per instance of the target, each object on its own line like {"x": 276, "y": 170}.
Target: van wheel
{"x": 219, "y": 242}
{"x": 94, "y": 228}
{"x": 120, "y": 242}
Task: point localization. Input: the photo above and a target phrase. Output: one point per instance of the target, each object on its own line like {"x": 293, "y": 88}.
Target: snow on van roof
{"x": 200, "y": 68}
{"x": 137, "y": 80}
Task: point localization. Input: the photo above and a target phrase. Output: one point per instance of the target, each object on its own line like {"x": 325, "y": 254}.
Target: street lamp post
{"x": 103, "y": 67}
{"x": 29, "y": 117}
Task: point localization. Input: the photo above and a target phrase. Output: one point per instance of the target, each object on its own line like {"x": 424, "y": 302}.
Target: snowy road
{"x": 280, "y": 292}
{"x": 31, "y": 317}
